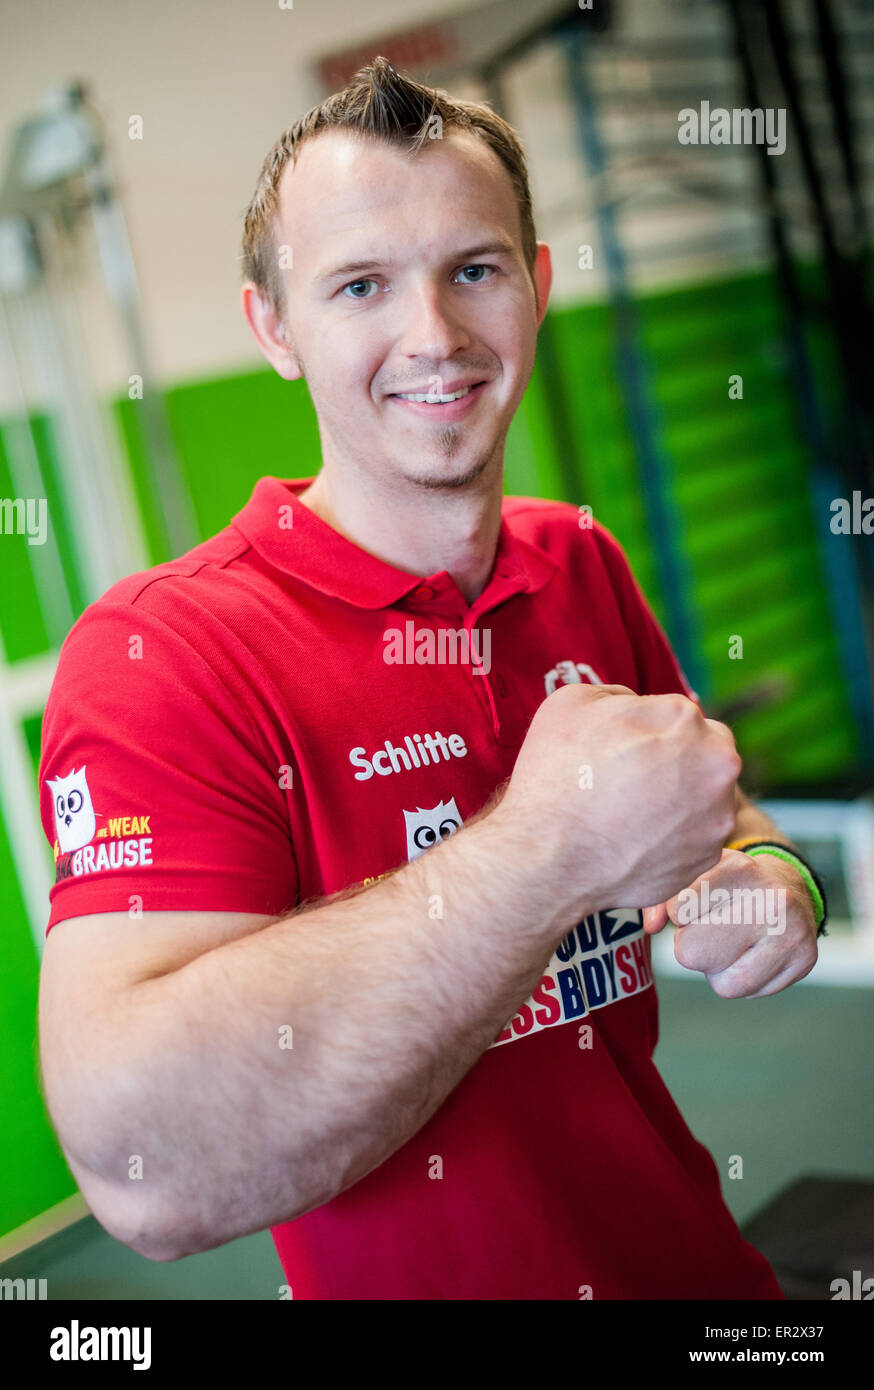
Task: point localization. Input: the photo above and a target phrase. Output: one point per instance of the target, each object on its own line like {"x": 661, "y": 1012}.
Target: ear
{"x": 542, "y": 271}
{"x": 269, "y": 332}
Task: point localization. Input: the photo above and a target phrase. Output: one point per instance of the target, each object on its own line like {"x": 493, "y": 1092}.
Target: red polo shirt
{"x": 278, "y": 715}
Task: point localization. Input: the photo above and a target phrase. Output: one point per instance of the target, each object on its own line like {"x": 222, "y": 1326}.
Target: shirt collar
{"x": 292, "y": 538}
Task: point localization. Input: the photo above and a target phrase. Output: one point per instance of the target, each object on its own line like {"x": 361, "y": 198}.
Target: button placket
{"x": 478, "y": 674}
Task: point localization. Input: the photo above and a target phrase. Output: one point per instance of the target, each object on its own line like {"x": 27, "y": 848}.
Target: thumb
{"x": 654, "y": 918}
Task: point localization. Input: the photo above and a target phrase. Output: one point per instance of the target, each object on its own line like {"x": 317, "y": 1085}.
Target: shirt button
{"x": 424, "y": 591}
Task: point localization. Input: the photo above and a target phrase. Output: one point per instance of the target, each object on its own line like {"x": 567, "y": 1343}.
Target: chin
{"x": 458, "y": 472}
{"x": 450, "y": 475}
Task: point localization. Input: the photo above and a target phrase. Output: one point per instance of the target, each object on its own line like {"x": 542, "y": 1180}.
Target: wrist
{"x": 791, "y": 858}
{"x": 530, "y": 873}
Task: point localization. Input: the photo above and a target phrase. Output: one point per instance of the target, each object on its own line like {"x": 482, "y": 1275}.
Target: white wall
{"x": 216, "y": 82}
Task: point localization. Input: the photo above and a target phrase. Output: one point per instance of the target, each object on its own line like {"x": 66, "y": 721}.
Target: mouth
{"x": 450, "y": 405}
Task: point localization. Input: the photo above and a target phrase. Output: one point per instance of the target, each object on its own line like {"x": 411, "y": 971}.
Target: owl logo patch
{"x": 570, "y": 673}
{"x": 428, "y": 827}
{"x": 75, "y": 822}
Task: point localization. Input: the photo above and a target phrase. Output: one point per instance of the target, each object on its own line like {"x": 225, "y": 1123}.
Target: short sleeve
{"x": 155, "y": 791}
{"x": 659, "y": 672}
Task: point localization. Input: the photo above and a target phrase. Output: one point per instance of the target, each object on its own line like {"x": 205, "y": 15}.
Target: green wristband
{"x": 814, "y": 888}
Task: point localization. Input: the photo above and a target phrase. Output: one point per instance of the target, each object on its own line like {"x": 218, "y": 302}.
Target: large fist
{"x": 630, "y": 796}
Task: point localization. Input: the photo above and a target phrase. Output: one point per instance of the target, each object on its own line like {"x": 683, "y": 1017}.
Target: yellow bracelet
{"x": 747, "y": 840}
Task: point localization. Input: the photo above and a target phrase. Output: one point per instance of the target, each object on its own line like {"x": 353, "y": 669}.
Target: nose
{"x": 68, "y": 820}
{"x": 433, "y": 327}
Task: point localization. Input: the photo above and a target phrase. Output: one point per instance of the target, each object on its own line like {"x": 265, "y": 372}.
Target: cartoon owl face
{"x": 427, "y": 828}
{"x": 74, "y": 814}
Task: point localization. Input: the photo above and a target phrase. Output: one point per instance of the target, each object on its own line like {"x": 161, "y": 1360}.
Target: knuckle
{"x": 727, "y": 764}
{"x": 681, "y": 705}
{"x": 682, "y": 952}
{"x": 722, "y": 737}
{"x": 727, "y": 747}
{"x": 563, "y": 693}
{"x": 727, "y": 985}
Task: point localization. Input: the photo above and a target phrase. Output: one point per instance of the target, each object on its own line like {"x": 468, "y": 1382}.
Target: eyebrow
{"x": 499, "y": 247}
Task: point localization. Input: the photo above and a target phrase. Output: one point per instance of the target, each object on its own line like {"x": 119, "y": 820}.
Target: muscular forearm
{"x": 269, "y": 1074}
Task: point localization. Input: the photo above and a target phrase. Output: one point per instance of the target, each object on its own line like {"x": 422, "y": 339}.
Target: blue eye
{"x": 465, "y": 268}
{"x": 353, "y": 283}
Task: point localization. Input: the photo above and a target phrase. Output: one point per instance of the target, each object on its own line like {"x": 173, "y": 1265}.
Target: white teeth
{"x": 437, "y": 400}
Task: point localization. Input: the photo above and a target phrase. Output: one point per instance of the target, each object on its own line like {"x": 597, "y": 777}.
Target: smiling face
{"x": 408, "y": 278}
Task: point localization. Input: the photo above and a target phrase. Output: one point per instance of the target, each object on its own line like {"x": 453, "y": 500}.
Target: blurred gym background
{"x": 704, "y": 384}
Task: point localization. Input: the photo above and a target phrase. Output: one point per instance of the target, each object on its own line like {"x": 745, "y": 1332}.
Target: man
{"x": 347, "y": 802}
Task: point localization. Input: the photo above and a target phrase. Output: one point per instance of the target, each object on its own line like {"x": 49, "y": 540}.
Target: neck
{"x": 416, "y": 529}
